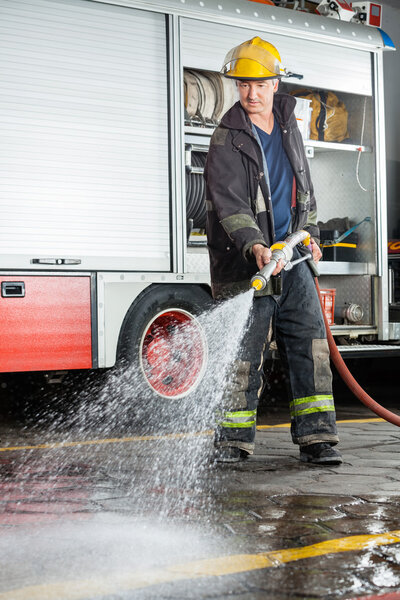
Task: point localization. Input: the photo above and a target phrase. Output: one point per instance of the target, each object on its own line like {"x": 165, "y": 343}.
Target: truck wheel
{"x": 162, "y": 337}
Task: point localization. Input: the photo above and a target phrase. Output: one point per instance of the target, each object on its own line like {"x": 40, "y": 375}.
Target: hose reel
{"x": 207, "y": 95}
{"x": 195, "y": 188}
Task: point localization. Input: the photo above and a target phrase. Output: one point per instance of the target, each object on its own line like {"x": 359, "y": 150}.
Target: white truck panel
{"x": 84, "y": 149}
{"x": 204, "y": 46}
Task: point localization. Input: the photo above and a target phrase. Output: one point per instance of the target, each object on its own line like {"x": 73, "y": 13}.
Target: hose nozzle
{"x": 258, "y": 283}
{"x": 280, "y": 251}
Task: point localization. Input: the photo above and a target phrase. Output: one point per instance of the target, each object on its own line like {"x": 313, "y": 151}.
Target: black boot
{"x": 321, "y": 453}
{"x": 230, "y": 454}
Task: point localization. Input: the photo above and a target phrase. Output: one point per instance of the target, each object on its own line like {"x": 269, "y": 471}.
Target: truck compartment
{"x": 45, "y": 322}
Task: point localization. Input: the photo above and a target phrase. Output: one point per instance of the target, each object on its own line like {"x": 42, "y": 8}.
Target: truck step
{"x": 364, "y": 350}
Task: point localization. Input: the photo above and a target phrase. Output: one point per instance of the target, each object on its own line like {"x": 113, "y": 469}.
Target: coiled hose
{"x": 348, "y": 378}
{"x": 195, "y": 193}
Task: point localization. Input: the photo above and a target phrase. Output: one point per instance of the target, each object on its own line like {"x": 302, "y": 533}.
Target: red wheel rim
{"x": 173, "y": 353}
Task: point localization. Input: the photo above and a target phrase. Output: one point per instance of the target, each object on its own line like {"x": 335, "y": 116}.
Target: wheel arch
{"x": 179, "y": 288}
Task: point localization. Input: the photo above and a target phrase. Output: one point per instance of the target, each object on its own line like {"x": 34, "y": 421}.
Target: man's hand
{"x": 316, "y": 251}
{"x": 263, "y": 257}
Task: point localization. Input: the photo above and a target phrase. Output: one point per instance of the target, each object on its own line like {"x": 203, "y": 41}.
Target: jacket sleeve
{"x": 227, "y": 192}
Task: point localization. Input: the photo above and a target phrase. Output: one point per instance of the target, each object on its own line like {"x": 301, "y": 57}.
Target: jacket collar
{"x": 237, "y": 118}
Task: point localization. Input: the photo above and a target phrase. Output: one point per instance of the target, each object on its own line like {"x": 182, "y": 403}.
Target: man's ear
{"x": 276, "y": 85}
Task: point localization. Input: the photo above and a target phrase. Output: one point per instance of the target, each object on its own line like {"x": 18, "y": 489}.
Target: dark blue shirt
{"x": 280, "y": 177}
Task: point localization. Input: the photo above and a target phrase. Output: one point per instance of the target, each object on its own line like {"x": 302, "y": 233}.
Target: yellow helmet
{"x": 254, "y": 59}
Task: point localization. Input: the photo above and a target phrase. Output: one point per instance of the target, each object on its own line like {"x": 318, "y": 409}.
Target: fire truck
{"x": 107, "y": 111}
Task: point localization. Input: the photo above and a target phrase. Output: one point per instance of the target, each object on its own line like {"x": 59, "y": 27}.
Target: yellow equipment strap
{"x": 340, "y": 244}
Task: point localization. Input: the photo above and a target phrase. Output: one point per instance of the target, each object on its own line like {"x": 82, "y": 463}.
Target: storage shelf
{"x": 343, "y": 268}
{"x": 191, "y": 133}
{"x": 329, "y": 146}
{"x": 207, "y": 131}
{"x": 353, "y": 330}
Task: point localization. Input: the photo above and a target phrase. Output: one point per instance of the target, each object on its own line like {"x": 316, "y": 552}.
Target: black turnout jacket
{"x": 239, "y": 209}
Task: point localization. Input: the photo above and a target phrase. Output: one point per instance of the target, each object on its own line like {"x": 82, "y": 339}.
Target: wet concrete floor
{"x": 132, "y": 515}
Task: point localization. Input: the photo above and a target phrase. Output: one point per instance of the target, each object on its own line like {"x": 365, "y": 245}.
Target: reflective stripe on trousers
{"x": 240, "y": 418}
{"x": 311, "y": 404}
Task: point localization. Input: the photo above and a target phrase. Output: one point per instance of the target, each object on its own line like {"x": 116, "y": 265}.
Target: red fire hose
{"x": 348, "y": 377}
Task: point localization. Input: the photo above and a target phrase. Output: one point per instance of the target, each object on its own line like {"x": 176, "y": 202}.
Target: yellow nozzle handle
{"x": 307, "y": 239}
{"x": 278, "y": 246}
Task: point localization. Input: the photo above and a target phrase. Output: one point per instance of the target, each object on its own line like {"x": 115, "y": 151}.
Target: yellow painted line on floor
{"x": 137, "y": 438}
{"x": 211, "y": 567}
{"x": 281, "y": 425}
{"x": 373, "y": 420}
{"x": 151, "y": 438}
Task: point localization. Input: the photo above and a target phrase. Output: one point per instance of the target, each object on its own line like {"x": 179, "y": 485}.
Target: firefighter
{"x": 258, "y": 190}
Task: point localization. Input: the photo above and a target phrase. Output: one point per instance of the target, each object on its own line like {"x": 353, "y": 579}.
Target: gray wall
{"x": 391, "y": 25}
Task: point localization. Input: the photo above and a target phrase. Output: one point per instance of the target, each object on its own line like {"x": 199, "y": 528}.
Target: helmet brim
{"x": 241, "y": 78}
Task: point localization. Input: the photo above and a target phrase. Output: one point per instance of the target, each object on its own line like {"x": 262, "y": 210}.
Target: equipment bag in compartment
{"x": 329, "y": 116}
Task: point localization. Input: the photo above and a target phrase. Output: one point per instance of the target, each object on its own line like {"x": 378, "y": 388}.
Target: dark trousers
{"x": 295, "y": 320}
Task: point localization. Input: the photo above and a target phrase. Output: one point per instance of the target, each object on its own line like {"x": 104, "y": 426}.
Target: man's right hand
{"x": 262, "y": 254}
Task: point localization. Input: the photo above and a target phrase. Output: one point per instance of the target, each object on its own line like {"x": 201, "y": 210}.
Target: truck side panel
{"x": 45, "y": 323}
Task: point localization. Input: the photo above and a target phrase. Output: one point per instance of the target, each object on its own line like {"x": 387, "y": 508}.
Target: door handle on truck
{"x": 56, "y": 261}
{"x": 12, "y": 289}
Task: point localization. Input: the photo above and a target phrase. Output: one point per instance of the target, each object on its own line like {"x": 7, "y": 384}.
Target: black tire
{"x": 153, "y": 320}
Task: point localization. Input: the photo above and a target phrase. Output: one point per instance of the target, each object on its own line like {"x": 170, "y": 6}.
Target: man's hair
{"x": 273, "y": 80}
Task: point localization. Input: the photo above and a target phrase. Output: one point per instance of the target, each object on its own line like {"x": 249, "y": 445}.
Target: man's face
{"x": 257, "y": 97}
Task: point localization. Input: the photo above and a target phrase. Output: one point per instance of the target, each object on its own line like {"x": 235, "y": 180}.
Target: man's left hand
{"x": 316, "y": 251}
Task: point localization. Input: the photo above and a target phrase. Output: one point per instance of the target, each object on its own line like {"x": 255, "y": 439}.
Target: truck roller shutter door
{"x": 323, "y": 65}
{"x": 84, "y": 135}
